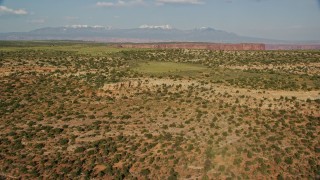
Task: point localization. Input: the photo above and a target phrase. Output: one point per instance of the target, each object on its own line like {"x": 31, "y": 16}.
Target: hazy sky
{"x": 277, "y": 19}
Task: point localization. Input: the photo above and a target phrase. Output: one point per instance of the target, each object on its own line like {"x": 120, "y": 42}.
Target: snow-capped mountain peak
{"x": 79, "y": 26}
{"x": 145, "y": 26}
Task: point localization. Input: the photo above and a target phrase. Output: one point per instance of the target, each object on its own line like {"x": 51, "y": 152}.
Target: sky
{"x": 272, "y": 19}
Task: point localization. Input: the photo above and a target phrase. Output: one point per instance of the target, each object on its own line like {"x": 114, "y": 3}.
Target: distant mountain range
{"x": 143, "y": 34}
{"x": 151, "y": 34}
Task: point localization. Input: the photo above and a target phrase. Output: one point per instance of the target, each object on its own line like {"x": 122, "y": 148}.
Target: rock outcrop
{"x": 292, "y": 46}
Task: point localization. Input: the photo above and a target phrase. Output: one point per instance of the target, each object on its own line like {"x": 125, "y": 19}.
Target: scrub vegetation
{"x": 75, "y": 110}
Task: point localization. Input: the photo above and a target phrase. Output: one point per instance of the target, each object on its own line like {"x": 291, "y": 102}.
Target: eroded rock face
{"x": 292, "y": 47}
{"x": 209, "y": 46}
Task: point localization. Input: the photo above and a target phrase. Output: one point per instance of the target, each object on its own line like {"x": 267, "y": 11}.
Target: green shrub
{"x": 79, "y": 149}
{"x": 145, "y": 172}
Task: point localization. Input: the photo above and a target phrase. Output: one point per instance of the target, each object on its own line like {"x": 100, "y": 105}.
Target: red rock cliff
{"x": 209, "y": 46}
{"x": 292, "y": 46}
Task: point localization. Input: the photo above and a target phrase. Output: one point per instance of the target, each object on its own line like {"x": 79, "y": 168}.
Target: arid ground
{"x": 72, "y": 110}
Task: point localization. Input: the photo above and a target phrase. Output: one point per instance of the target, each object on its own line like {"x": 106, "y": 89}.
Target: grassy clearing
{"x": 264, "y": 80}
{"x": 81, "y": 49}
{"x": 169, "y": 68}
{"x": 78, "y": 49}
